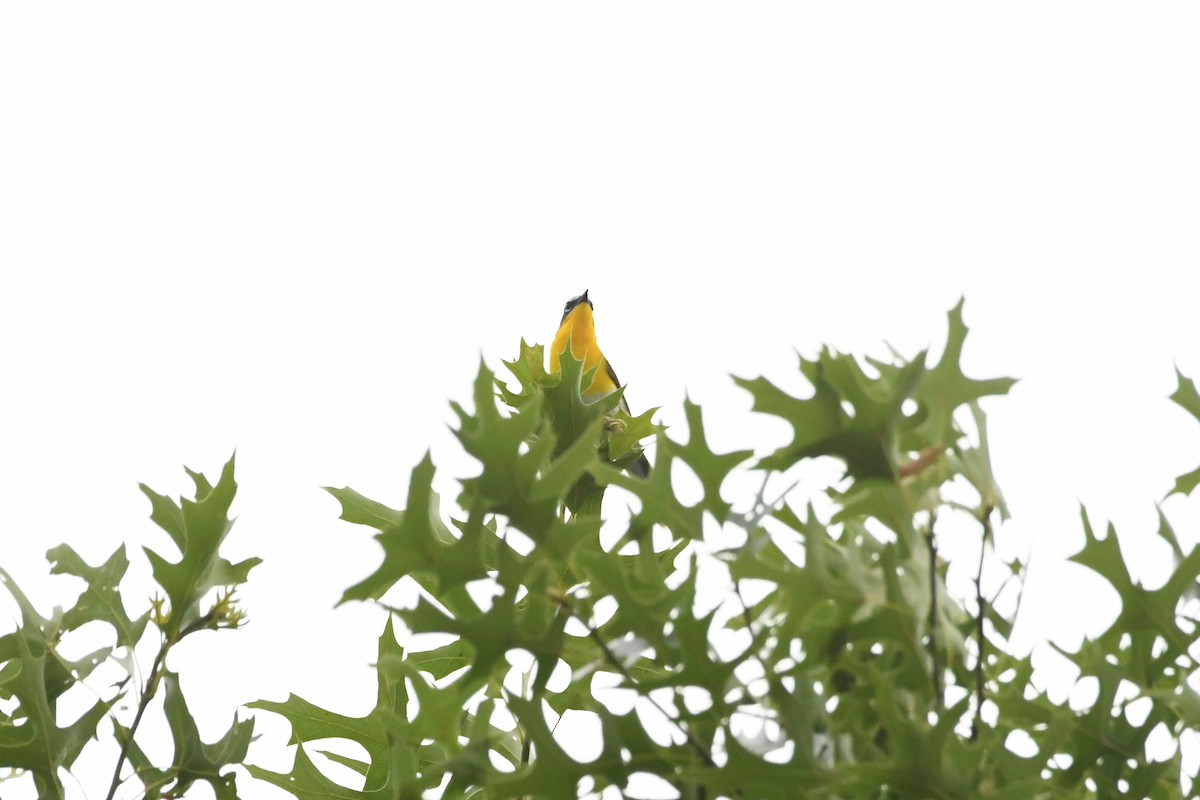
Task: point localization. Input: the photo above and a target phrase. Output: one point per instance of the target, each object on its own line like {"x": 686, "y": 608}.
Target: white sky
{"x": 293, "y": 228}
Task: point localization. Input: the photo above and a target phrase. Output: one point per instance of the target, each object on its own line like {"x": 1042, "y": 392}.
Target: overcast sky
{"x": 294, "y": 229}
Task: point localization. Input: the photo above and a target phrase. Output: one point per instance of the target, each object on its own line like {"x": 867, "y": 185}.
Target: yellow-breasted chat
{"x": 578, "y": 327}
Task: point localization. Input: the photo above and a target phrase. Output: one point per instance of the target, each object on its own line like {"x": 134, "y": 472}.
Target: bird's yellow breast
{"x": 579, "y": 328}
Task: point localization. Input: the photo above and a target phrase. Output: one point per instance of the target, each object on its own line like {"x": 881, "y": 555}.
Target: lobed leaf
{"x": 198, "y": 528}
{"x": 101, "y": 600}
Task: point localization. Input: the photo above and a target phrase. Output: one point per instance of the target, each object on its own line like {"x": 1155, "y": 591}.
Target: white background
{"x": 294, "y": 228}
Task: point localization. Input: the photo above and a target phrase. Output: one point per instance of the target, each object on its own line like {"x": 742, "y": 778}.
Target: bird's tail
{"x": 640, "y": 468}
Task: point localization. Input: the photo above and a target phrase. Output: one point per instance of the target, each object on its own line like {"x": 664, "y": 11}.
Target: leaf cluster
{"x": 195, "y": 593}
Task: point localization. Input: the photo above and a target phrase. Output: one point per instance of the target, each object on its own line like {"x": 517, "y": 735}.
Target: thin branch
{"x": 923, "y": 460}
{"x": 737, "y": 590}
{"x": 147, "y": 695}
{"x": 761, "y": 507}
{"x": 934, "y": 656}
{"x": 152, "y": 684}
{"x": 985, "y": 519}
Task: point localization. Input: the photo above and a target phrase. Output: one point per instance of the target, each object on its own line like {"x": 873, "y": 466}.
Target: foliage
{"x": 37, "y": 675}
{"x": 852, "y": 671}
{"x": 738, "y": 647}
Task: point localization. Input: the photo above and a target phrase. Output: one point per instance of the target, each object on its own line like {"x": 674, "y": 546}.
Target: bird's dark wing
{"x": 641, "y": 467}
{"x": 617, "y": 382}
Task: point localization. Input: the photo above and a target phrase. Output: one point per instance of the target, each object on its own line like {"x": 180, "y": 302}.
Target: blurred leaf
{"x": 660, "y": 504}
{"x": 747, "y": 774}
{"x": 977, "y": 466}
{"x": 944, "y": 387}
{"x": 311, "y": 723}
{"x": 532, "y": 458}
{"x": 405, "y": 757}
{"x": 1188, "y": 399}
{"x": 441, "y": 661}
{"x": 195, "y": 760}
{"x": 529, "y": 368}
{"x": 554, "y": 774}
{"x": 711, "y": 468}
{"x": 850, "y": 416}
{"x": 1143, "y": 612}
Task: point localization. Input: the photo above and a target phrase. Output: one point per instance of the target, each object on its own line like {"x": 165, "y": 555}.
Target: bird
{"x": 579, "y": 328}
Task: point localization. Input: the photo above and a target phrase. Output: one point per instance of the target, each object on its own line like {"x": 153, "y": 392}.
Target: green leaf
{"x": 395, "y": 754}
{"x": 1187, "y": 398}
{"x": 571, "y": 415}
{"x": 361, "y": 767}
{"x": 441, "y": 661}
{"x": 552, "y": 773}
{"x": 310, "y": 723}
{"x": 850, "y": 416}
{"x": 195, "y": 760}
{"x": 976, "y": 466}
{"x": 944, "y": 387}
{"x": 364, "y": 511}
{"x": 470, "y": 766}
{"x": 513, "y": 450}
{"x": 529, "y": 368}
{"x": 153, "y": 780}
{"x": 35, "y": 675}
{"x": 415, "y": 542}
{"x": 601, "y": 424}
{"x": 711, "y": 468}
{"x": 1143, "y": 612}
{"x": 747, "y": 774}
{"x": 660, "y": 504}
{"x": 102, "y": 598}
{"x": 623, "y": 434}
{"x": 198, "y": 528}
{"x": 306, "y": 782}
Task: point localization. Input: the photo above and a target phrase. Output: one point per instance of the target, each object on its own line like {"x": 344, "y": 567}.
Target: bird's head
{"x": 574, "y": 303}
